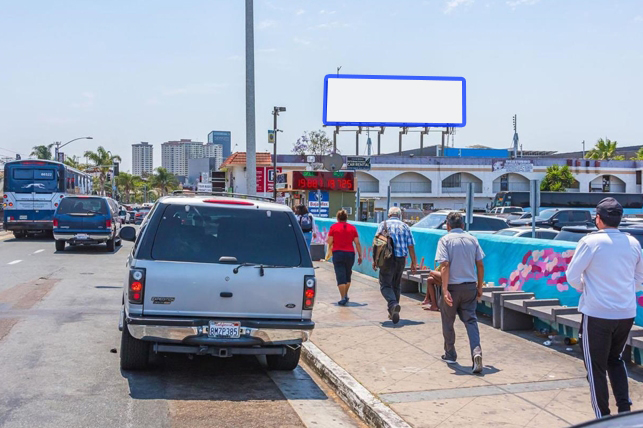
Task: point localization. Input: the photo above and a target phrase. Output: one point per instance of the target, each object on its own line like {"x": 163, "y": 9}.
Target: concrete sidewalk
{"x": 524, "y": 384}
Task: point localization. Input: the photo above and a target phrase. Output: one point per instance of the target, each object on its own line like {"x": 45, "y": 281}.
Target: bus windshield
{"x": 31, "y": 179}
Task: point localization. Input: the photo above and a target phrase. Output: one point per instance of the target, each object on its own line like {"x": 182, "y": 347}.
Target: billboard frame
{"x": 395, "y": 124}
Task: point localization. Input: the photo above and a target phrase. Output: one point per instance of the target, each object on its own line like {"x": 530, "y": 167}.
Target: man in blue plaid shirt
{"x": 391, "y": 273}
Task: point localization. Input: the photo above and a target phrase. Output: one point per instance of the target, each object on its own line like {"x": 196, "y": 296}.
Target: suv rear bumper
{"x": 194, "y": 331}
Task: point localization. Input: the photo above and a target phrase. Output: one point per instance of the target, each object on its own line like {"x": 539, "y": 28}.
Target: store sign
{"x": 512, "y": 165}
{"x": 204, "y": 187}
{"x": 265, "y": 179}
{"x": 319, "y": 203}
{"x": 358, "y": 163}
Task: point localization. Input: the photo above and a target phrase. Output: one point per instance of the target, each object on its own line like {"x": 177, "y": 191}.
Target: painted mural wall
{"x": 526, "y": 264}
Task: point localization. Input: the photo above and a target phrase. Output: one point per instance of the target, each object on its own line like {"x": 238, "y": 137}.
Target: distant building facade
{"x": 176, "y": 154}
{"x": 224, "y": 138}
{"x": 142, "y": 158}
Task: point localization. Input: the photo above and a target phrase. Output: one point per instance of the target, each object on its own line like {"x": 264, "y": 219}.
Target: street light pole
{"x": 59, "y": 146}
{"x": 251, "y": 144}
{"x": 275, "y": 113}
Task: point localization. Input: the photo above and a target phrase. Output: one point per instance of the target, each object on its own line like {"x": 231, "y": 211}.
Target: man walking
{"x": 606, "y": 268}
{"x": 460, "y": 256}
{"x": 391, "y": 272}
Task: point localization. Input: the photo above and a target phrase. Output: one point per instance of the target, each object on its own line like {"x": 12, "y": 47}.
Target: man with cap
{"x": 606, "y": 268}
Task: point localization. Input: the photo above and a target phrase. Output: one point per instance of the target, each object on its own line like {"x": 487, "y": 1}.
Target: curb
{"x": 368, "y": 407}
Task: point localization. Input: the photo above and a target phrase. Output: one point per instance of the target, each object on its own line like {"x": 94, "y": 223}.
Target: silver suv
{"x": 221, "y": 276}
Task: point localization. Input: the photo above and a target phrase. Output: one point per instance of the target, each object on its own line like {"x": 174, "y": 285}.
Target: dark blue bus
{"x": 32, "y": 191}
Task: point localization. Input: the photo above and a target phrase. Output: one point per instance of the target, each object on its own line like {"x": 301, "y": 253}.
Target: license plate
{"x": 81, "y": 236}
{"x": 229, "y": 330}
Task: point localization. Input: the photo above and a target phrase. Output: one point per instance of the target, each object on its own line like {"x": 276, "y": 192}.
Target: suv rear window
{"x": 82, "y": 206}
{"x": 204, "y": 234}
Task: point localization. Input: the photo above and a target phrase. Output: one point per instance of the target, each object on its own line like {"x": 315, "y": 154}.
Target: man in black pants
{"x": 391, "y": 271}
{"x": 606, "y": 267}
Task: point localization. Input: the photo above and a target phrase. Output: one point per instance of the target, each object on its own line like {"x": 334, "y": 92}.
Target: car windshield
{"x": 567, "y": 235}
{"x": 204, "y": 234}
{"x": 71, "y": 205}
{"x": 506, "y": 232}
{"x": 432, "y": 221}
{"x": 513, "y": 210}
{"x": 546, "y": 214}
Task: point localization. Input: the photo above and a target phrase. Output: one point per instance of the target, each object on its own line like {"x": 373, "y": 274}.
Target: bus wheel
{"x": 18, "y": 234}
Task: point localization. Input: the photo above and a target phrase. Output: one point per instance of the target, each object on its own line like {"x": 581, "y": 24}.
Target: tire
{"x": 111, "y": 245}
{"x": 134, "y": 353}
{"x": 60, "y": 245}
{"x": 119, "y": 242}
{"x": 284, "y": 362}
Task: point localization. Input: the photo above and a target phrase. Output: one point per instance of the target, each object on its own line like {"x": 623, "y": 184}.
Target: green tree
{"x": 127, "y": 185}
{"x": 74, "y": 162}
{"x": 604, "y": 150}
{"x": 639, "y": 154}
{"x": 164, "y": 181}
{"x": 313, "y": 143}
{"x": 102, "y": 161}
{"x": 557, "y": 179}
{"x": 42, "y": 152}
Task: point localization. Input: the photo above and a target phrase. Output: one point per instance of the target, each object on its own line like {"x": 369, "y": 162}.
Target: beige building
{"x": 175, "y": 154}
{"x": 142, "y": 158}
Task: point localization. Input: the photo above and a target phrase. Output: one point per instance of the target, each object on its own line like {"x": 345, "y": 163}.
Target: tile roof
{"x": 239, "y": 158}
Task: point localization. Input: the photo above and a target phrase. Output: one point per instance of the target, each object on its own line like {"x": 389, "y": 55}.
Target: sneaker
{"x": 448, "y": 360}
{"x": 395, "y": 314}
{"x": 477, "y": 363}
{"x": 342, "y": 302}
{"x": 347, "y": 299}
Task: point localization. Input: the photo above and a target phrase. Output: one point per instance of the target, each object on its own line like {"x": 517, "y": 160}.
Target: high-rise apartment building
{"x": 142, "y": 158}
{"x": 224, "y": 138}
{"x": 175, "y": 154}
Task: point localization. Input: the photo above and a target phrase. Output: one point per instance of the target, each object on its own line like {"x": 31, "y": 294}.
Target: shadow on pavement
{"x": 460, "y": 370}
{"x": 351, "y": 304}
{"x": 402, "y": 323}
{"x": 240, "y": 378}
{"x": 98, "y": 249}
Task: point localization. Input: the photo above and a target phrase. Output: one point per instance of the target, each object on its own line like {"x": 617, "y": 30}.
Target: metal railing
{"x": 368, "y": 186}
{"x": 477, "y": 188}
{"x": 410, "y": 187}
{"x": 510, "y": 187}
{"x": 224, "y": 194}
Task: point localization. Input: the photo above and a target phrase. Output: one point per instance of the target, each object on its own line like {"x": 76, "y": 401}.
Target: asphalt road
{"x": 59, "y": 362}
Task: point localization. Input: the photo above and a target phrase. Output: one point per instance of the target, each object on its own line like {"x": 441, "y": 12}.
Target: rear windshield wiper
{"x": 261, "y": 267}
{"x": 86, "y": 212}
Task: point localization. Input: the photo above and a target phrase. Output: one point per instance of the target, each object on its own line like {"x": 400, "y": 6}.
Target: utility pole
{"x": 583, "y": 149}
{"x": 275, "y": 113}
{"x": 515, "y": 137}
{"x": 251, "y": 144}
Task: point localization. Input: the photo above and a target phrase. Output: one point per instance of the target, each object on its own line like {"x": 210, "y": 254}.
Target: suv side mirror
{"x": 554, "y": 220}
{"x": 128, "y": 233}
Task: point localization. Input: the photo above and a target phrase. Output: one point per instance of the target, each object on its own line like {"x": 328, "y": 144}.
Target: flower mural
{"x": 540, "y": 264}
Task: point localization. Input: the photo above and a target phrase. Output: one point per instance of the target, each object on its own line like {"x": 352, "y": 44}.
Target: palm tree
{"x": 164, "y": 180}
{"x": 42, "y": 152}
{"x": 127, "y": 184}
{"x": 604, "y": 150}
{"x": 639, "y": 155}
{"x": 557, "y": 179}
{"x": 74, "y": 162}
{"x": 102, "y": 160}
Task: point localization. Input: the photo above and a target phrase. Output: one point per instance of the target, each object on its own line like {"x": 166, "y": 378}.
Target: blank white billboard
{"x": 361, "y": 100}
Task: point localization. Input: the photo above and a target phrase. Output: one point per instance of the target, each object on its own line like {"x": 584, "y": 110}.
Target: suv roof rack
{"x": 226, "y": 194}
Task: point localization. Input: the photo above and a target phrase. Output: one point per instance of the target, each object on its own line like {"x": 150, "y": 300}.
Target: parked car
{"x": 506, "y": 210}
{"x": 556, "y": 219}
{"x": 481, "y": 223}
{"x": 575, "y": 233}
{"x": 86, "y": 220}
{"x": 205, "y": 278}
{"x": 131, "y": 215}
{"x": 140, "y": 215}
{"x": 525, "y": 232}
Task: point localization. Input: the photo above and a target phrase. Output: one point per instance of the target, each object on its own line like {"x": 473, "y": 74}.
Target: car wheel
{"x": 284, "y": 362}
{"x": 60, "y": 245}
{"x": 134, "y": 353}
{"x": 110, "y": 245}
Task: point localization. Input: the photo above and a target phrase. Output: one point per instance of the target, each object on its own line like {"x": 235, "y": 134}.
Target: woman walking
{"x": 341, "y": 238}
{"x": 306, "y": 222}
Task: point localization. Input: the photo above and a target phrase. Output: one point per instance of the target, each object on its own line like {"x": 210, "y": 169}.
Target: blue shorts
{"x": 343, "y": 262}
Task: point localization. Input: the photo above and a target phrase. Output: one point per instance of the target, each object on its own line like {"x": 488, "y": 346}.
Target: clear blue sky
{"x": 131, "y": 71}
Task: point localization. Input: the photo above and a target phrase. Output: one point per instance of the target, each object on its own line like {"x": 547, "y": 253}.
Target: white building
{"x": 175, "y": 154}
{"x": 142, "y": 158}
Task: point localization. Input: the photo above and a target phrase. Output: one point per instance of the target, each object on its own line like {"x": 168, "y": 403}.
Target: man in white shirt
{"x": 607, "y": 267}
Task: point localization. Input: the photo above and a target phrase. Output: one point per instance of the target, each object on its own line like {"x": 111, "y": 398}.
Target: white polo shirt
{"x": 607, "y": 267}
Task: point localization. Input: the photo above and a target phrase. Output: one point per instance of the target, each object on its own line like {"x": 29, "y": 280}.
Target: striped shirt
{"x": 401, "y": 235}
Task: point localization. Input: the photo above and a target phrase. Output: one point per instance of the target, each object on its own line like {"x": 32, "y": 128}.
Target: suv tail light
{"x": 136, "y": 288}
{"x": 55, "y": 222}
{"x": 310, "y": 290}
{"x": 108, "y": 223}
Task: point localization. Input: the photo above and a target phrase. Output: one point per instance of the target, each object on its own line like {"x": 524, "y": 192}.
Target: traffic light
{"x": 109, "y": 177}
{"x": 116, "y": 165}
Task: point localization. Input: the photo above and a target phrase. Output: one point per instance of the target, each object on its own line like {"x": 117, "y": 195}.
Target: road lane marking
{"x": 14, "y": 262}
{"x": 39, "y": 251}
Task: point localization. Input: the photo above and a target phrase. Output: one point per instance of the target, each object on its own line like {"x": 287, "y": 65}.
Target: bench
{"x": 511, "y": 319}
